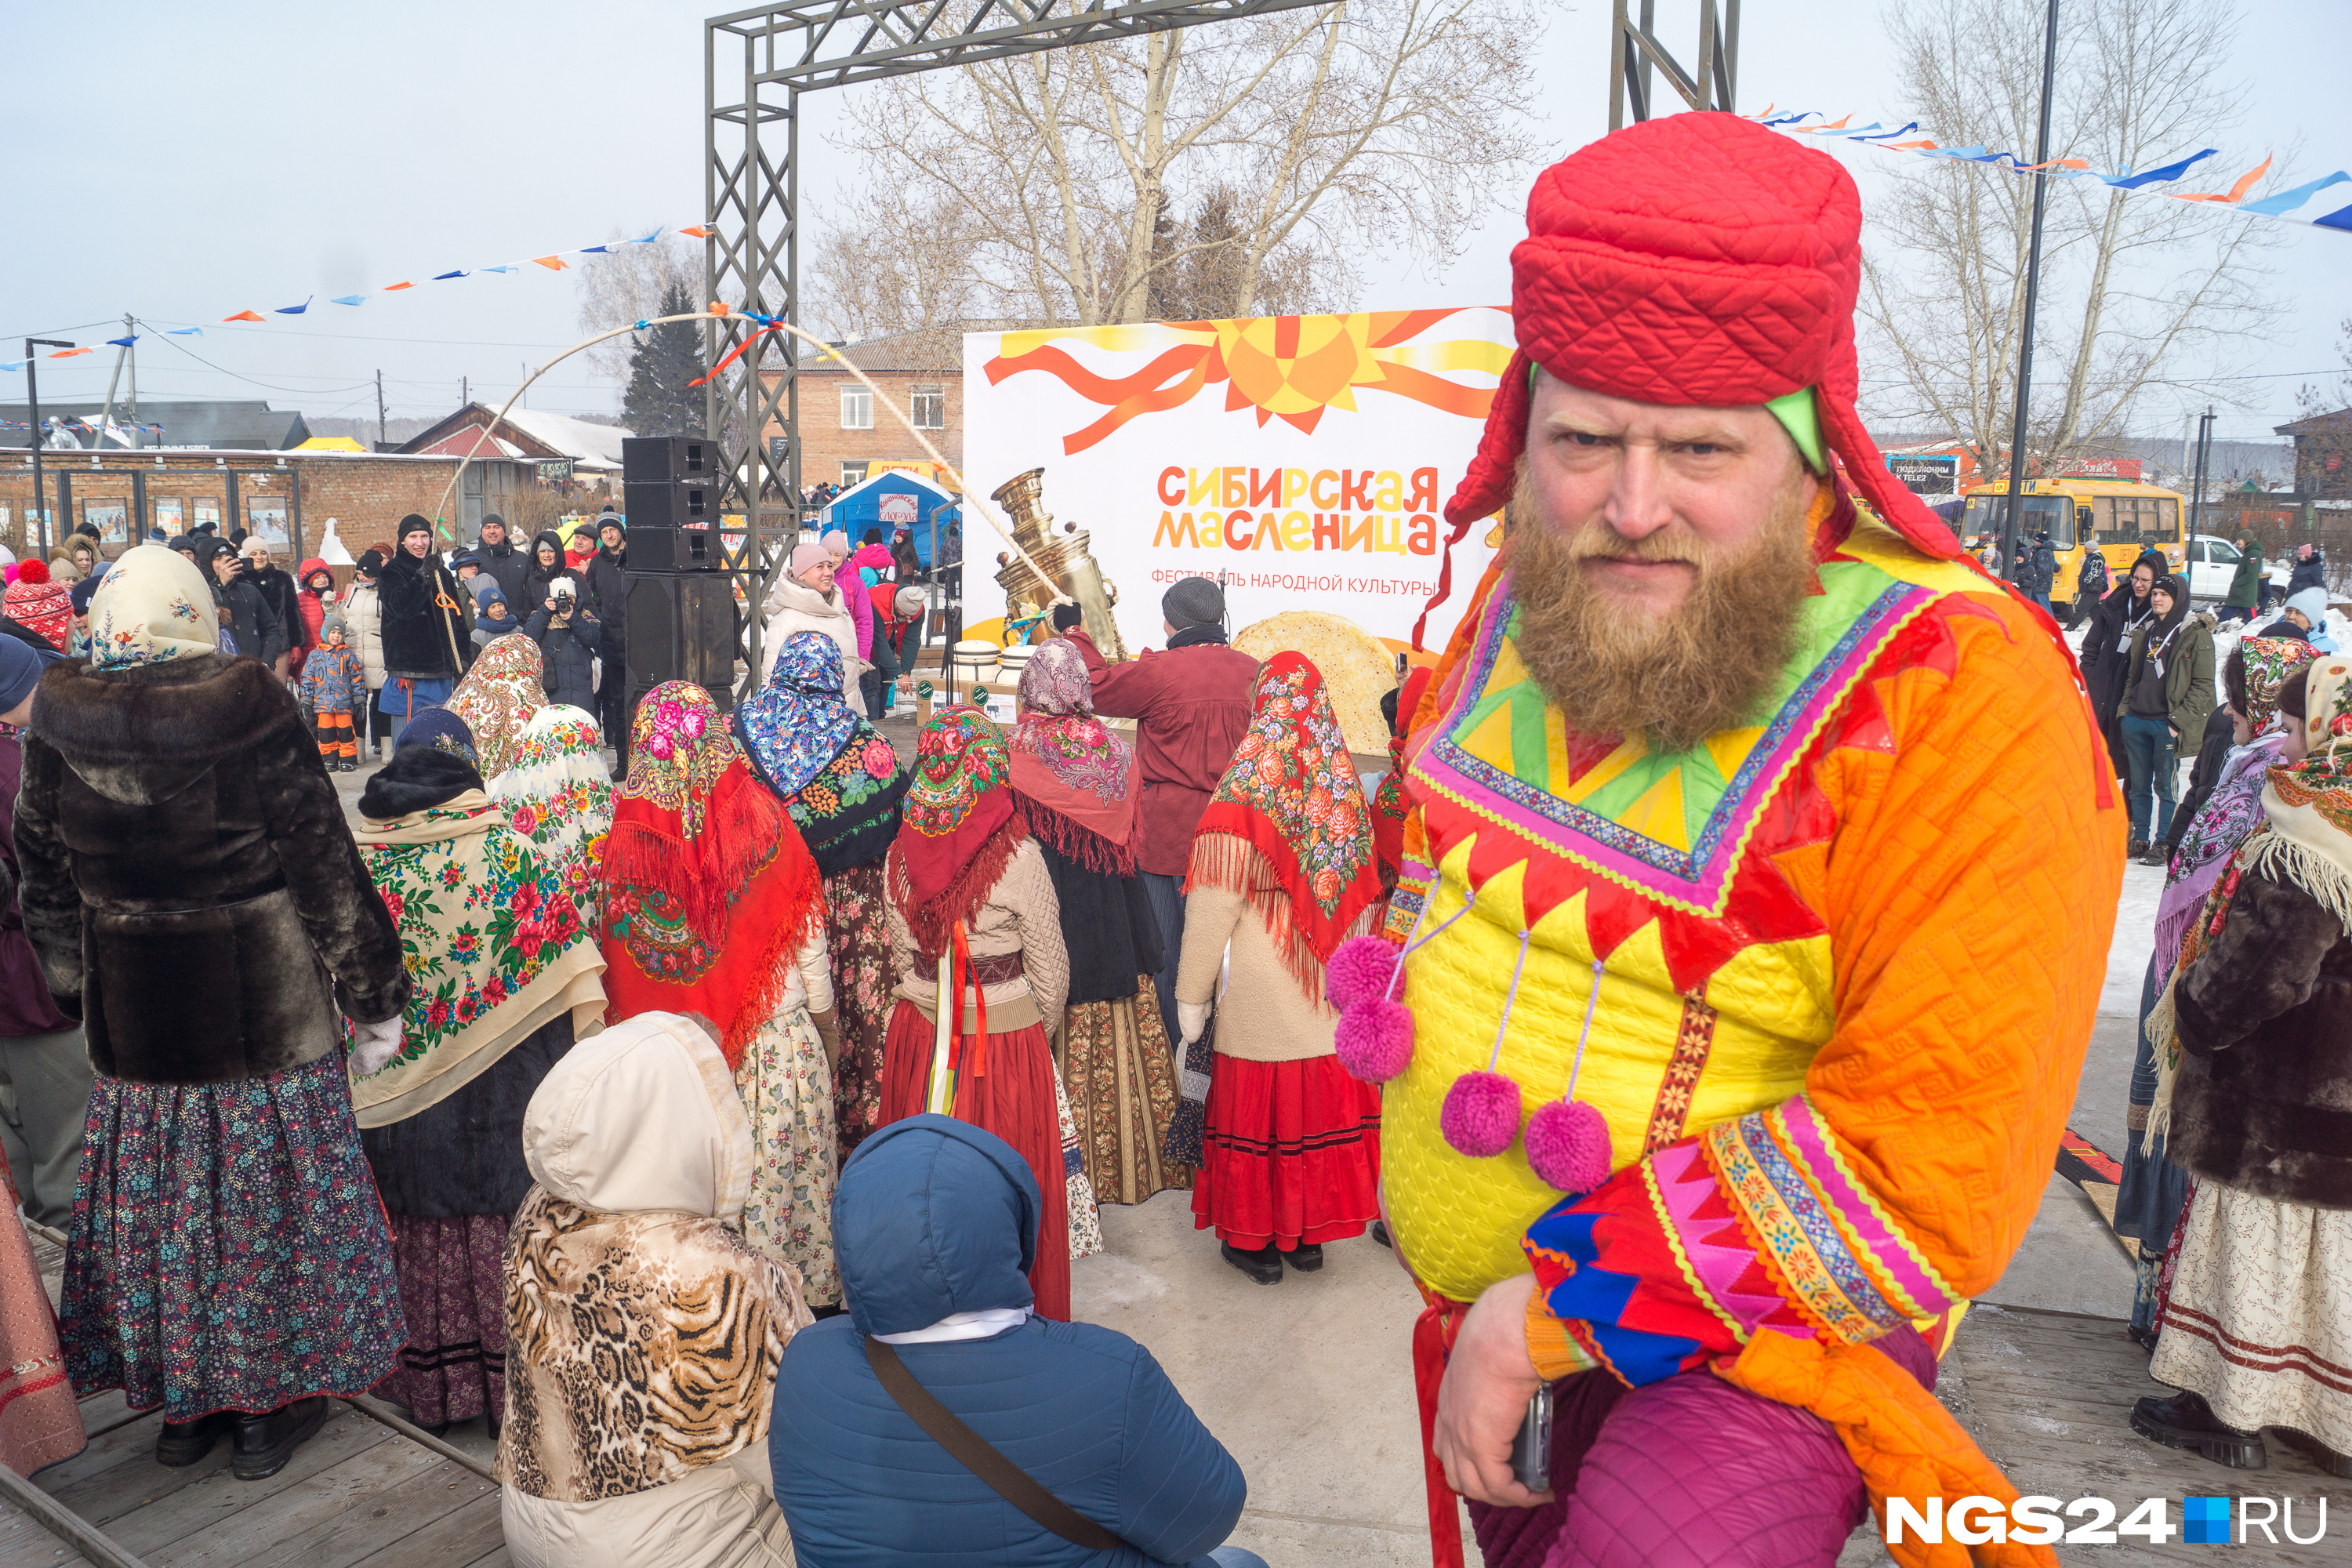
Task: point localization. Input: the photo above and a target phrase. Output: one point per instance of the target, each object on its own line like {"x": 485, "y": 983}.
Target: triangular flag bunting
{"x": 646, "y": 238}
{"x": 185, "y": 333}
{"x": 2287, "y": 200}
{"x": 595, "y": 250}
{"x": 295, "y": 310}
{"x": 248, "y": 316}
{"x": 389, "y": 287}
{"x": 444, "y": 276}
{"x": 697, "y": 232}
{"x": 501, "y": 266}
{"x": 69, "y": 353}
{"x": 122, "y": 342}
{"x": 555, "y": 263}
{"x": 15, "y": 364}
{"x": 350, "y": 300}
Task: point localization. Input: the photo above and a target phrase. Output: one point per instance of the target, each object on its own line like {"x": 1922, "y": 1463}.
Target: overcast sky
{"x": 188, "y": 164}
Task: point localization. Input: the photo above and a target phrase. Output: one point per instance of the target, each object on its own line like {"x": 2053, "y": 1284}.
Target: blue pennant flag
{"x": 122, "y": 342}
{"x": 2341, "y": 218}
{"x": 294, "y": 309}
{"x": 596, "y": 250}
{"x": 350, "y": 300}
{"x": 444, "y": 276}
{"x": 1884, "y": 135}
{"x": 2287, "y": 200}
{"x": 503, "y": 268}
{"x": 646, "y": 238}
{"x": 2130, "y": 182}
{"x": 185, "y": 333}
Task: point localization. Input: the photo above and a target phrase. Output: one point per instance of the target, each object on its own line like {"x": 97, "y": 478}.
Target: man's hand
{"x": 1483, "y": 1398}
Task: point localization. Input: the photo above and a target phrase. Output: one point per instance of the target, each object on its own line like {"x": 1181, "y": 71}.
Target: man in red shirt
{"x": 1192, "y": 703}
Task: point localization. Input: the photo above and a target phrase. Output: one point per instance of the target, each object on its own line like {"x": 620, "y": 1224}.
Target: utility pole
{"x": 2204, "y": 455}
{"x": 130, "y": 331}
{"x": 379, "y": 411}
{"x": 2013, "y": 514}
{"x": 33, "y": 395}
{"x": 106, "y": 415}
{"x": 464, "y": 391}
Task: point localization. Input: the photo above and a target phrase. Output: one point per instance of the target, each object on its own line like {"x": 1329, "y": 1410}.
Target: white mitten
{"x": 1192, "y": 1017}
{"x": 374, "y": 1046}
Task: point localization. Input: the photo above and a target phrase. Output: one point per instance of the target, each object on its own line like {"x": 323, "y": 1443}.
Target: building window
{"x": 852, "y": 474}
{"x": 930, "y": 405}
{"x": 856, "y": 408}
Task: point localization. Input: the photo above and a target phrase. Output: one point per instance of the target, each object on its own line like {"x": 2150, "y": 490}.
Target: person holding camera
{"x": 567, "y": 633}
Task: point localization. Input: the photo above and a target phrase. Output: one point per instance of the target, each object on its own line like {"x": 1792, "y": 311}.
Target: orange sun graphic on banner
{"x": 1292, "y": 368}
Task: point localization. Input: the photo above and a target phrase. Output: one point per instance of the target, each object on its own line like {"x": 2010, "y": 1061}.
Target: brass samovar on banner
{"x": 1070, "y": 568}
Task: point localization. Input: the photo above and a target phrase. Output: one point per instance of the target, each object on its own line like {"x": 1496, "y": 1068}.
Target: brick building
{"x": 844, "y": 433}
{"x": 284, "y": 497}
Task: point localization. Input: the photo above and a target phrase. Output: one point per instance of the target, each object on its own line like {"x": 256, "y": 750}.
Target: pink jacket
{"x": 853, "y": 587}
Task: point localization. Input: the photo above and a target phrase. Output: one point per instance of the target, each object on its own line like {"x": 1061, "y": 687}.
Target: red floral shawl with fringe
{"x": 709, "y": 890}
{"x": 1287, "y": 827}
{"x": 960, "y": 827}
{"x": 1073, "y": 779}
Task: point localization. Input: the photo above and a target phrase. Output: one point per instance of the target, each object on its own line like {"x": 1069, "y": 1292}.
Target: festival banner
{"x": 1304, "y": 462}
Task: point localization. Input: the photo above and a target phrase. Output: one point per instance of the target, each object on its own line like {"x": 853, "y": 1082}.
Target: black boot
{"x": 1380, "y": 1234}
{"x": 2185, "y": 1421}
{"x": 264, "y": 1443}
{"x": 1306, "y": 1256}
{"x": 1265, "y": 1265}
{"x": 184, "y": 1442}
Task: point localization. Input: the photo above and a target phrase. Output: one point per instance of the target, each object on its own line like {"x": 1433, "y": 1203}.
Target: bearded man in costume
{"x": 1754, "y": 900}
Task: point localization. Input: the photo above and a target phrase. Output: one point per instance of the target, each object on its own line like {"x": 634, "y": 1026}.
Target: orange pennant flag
{"x": 246, "y": 316}
{"x": 2237, "y": 192}
{"x": 555, "y": 263}
{"x": 69, "y": 353}
{"x": 389, "y": 287}
{"x": 697, "y": 232}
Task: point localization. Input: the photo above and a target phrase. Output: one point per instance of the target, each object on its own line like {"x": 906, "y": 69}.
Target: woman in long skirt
{"x": 2154, "y": 1188}
{"x": 1283, "y": 871}
{"x": 712, "y": 909}
{"x": 1074, "y": 785}
{"x": 842, "y": 785}
{"x": 195, "y": 897}
{"x": 978, "y": 935}
{"x": 503, "y": 978}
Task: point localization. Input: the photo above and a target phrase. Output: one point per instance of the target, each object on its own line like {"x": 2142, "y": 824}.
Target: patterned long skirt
{"x": 788, "y": 1094}
{"x": 1016, "y": 1100}
{"x": 452, "y": 1290}
{"x": 1121, "y": 1079}
{"x": 1291, "y": 1153}
{"x": 2258, "y": 1315}
{"x": 858, "y": 938}
{"x": 228, "y": 1250}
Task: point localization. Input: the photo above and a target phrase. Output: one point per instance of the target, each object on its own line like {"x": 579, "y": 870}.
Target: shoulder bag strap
{"x": 975, "y": 1453}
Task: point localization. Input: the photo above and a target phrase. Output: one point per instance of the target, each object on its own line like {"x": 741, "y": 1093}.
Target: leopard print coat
{"x": 639, "y": 1347}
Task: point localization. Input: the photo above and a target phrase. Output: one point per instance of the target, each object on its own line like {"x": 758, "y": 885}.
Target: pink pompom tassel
{"x": 1567, "y": 1145}
{"x": 1374, "y": 1039}
{"x": 1480, "y": 1117}
{"x": 1362, "y": 969}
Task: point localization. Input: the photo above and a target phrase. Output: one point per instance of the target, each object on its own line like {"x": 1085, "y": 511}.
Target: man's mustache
{"x": 1601, "y": 543}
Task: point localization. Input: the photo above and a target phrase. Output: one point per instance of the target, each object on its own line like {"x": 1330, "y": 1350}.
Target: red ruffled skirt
{"x": 1291, "y": 1154}
{"x": 1014, "y": 1099}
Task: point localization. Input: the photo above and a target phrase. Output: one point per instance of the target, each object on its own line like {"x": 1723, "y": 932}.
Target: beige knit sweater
{"x": 1263, "y": 1015}
{"x": 1020, "y": 915}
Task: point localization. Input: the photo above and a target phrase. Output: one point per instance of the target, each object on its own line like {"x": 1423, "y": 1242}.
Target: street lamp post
{"x": 33, "y": 397}
{"x": 2012, "y": 514}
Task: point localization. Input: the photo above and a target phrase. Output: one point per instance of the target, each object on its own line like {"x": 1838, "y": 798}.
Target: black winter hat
{"x": 1194, "y": 602}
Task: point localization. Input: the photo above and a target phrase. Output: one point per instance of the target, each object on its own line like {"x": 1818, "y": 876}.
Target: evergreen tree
{"x": 659, "y": 401}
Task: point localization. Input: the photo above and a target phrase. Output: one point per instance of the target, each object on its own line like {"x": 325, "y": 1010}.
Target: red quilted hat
{"x": 1697, "y": 259}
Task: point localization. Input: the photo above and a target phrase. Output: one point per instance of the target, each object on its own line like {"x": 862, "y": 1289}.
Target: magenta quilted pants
{"x": 1687, "y": 1473}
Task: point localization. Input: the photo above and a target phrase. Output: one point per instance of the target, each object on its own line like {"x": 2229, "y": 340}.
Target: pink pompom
{"x": 1480, "y": 1114}
{"x": 1567, "y": 1145}
{"x": 1374, "y": 1039}
{"x": 1359, "y": 970}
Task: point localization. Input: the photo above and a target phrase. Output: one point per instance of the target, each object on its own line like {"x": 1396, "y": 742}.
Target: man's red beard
{"x": 1677, "y": 678}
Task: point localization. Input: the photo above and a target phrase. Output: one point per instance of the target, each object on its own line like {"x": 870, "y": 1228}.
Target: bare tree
{"x": 2138, "y": 294}
{"x": 626, "y": 284}
{"x": 901, "y": 261}
{"x": 1306, "y": 138}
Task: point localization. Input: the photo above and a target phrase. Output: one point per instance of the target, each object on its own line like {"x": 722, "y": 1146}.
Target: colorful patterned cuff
{"x": 1550, "y": 1346}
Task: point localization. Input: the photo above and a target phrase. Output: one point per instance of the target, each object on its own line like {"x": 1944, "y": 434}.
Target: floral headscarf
{"x": 498, "y": 697}
{"x": 1288, "y": 826}
{"x": 154, "y": 606}
{"x": 799, "y": 721}
{"x": 2232, "y": 809}
{"x": 960, "y": 827}
{"x": 1073, "y": 778}
{"x": 493, "y": 944}
{"x": 2309, "y": 803}
{"x": 838, "y": 776}
{"x": 709, "y": 892}
{"x": 559, "y": 795}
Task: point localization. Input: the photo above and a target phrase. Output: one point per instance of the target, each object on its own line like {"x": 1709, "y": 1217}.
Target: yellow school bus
{"x": 2123, "y": 519}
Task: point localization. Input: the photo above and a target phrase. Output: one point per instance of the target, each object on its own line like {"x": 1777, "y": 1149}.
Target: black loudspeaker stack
{"x": 681, "y": 611}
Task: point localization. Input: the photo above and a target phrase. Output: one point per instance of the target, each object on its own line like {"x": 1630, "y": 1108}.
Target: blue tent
{"x": 860, "y": 508}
